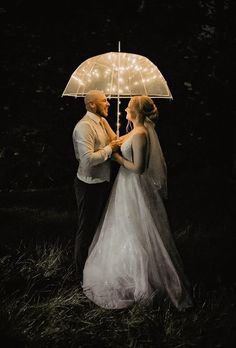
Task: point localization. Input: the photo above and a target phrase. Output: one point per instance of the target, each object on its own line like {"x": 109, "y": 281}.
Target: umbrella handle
{"x": 118, "y": 118}
{"x": 118, "y": 98}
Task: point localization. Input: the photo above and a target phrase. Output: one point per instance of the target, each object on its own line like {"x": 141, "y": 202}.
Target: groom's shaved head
{"x": 92, "y": 96}
{"x": 96, "y": 102}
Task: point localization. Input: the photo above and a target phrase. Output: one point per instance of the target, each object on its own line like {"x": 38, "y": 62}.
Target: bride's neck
{"x": 138, "y": 124}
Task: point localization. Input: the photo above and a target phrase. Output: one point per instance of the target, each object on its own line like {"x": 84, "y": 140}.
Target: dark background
{"x": 191, "y": 42}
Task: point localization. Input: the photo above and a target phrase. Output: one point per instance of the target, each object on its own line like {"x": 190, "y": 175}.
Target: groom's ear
{"x": 92, "y": 105}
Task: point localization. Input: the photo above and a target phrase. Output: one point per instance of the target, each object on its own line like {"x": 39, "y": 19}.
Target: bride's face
{"x": 131, "y": 115}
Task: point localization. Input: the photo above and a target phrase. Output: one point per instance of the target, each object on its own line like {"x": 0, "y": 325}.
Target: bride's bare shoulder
{"x": 141, "y": 132}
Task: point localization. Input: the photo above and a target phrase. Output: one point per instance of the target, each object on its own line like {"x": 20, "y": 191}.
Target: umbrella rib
{"x": 130, "y": 91}
{"x": 66, "y": 88}
{"x": 77, "y": 90}
{"x": 112, "y": 75}
{"x": 143, "y": 83}
{"x": 78, "y": 86}
{"x": 92, "y": 66}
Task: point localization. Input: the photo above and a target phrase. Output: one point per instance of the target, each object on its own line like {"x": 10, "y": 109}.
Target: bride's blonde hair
{"x": 144, "y": 107}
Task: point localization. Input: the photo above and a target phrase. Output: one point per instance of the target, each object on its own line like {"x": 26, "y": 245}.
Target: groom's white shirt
{"x": 92, "y": 150}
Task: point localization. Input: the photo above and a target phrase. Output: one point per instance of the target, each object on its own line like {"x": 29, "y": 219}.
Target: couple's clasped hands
{"x": 116, "y": 144}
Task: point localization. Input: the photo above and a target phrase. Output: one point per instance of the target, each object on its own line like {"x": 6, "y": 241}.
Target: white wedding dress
{"x": 133, "y": 256}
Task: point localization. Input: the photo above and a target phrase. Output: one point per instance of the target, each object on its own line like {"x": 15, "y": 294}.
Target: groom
{"x": 93, "y": 149}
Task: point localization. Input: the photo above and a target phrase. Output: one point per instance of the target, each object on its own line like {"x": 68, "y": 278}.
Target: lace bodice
{"x": 126, "y": 149}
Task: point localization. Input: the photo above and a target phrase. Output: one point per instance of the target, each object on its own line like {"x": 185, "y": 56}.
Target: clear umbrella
{"x": 119, "y": 75}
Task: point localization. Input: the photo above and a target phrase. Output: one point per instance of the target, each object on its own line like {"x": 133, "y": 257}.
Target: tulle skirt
{"x": 133, "y": 256}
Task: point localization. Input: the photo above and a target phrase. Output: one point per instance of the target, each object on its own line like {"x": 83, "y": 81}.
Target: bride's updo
{"x": 145, "y": 107}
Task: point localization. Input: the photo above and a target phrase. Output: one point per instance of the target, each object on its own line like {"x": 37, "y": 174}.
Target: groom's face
{"x": 102, "y": 105}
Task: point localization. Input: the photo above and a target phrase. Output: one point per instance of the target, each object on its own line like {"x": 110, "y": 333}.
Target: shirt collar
{"x": 94, "y": 117}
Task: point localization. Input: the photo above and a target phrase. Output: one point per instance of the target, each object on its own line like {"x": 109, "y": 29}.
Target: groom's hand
{"x": 115, "y": 145}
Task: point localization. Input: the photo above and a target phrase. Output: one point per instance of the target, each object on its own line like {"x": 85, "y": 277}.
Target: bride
{"x": 133, "y": 257}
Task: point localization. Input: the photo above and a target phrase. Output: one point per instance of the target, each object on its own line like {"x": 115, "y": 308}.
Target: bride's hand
{"x": 116, "y": 156}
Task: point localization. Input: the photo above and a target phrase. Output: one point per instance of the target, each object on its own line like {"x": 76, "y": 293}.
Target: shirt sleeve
{"x": 84, "y": 140}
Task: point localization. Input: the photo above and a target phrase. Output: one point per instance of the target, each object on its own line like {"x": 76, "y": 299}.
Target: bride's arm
{"x": 139, "y": 146}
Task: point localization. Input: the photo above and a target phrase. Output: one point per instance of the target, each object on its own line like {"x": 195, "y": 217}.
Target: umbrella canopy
{"x": 119, "y": 75}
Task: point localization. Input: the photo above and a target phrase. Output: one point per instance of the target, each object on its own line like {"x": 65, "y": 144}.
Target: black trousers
{"x": 91, "y": 200}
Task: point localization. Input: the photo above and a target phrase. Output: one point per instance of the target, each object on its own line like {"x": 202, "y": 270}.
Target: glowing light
{"x": 119, "y": 74}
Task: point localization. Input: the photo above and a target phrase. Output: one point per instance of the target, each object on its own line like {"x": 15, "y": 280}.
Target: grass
{"x": 42, "y": 306}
